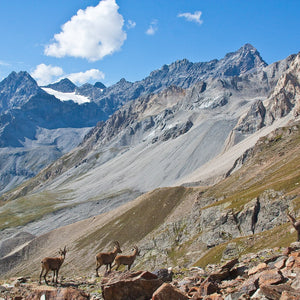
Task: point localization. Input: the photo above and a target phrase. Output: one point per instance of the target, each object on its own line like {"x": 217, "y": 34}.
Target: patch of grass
{"x": 177, "y": 253}
{"x": 138, "y": 221}
{"x": 27, "y": 209}
{"x": 279, "y": 236}
{"x": 296, "y": 203}
{"x": 212, "y": 256}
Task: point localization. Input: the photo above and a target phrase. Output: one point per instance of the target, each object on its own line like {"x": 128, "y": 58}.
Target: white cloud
{"x": 130, "y": 24}
{"x": 195, "y": 17}
{"x": 152, "y": 28}
{"x": 83, "y": 77}
{"x": 92, "y": 33}
{"x": 44, "y": 74}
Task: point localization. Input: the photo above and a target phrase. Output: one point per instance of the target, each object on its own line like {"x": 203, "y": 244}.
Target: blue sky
{"x": 89, "y": 40}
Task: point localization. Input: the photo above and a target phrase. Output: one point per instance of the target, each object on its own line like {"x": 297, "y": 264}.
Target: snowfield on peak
{"x": 67, "y": 96}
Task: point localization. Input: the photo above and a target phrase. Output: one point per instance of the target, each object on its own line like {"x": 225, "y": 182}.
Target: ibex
{"x": 296, "y": 224}
{"x": 107, "y": 258}
{"x": 127, "y": 260}
{"x": 53, "y": 264}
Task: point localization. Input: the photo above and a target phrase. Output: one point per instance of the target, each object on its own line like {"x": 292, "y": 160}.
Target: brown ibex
{"x": 296, "y": 224}
{"x": 107, "y": 258}
{"x": 53, "y": 264}
{"x": 127, "y": 260}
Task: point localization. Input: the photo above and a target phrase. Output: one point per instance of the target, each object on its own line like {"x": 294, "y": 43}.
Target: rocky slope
{"x": 268, "y": 274}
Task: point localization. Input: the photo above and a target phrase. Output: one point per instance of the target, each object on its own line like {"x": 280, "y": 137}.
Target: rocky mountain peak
{"x": 121, "y": 85}
{"x": 16, "y": 90}
{"x": 17, "y": 80}
{"x": 246, "y": 59}
{"x": 99, "y": 85}
{"x": 65, "y": 85}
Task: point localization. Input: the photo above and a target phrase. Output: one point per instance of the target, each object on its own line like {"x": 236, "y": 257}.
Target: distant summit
{"x": 244, "y": 60}
{"x": 65, "y": 85}
{"x": 17, "y": 89}
{"x": 100, "y": 85}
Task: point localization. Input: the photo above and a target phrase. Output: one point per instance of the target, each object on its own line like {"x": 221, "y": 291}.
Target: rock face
{"x": 285, "y": 98}
{"x": 184, "y": 74}
{"x": 129, "y": 285}
{"x": 16, "y": 90}
{"x": 174, "y": 112}
{"x": 64, "y": 85}
{"x": 37, "y": 110}
{"x": 286, "y": 95}
{"x": 254, "y": 119}
{"x": 64, "y": 293}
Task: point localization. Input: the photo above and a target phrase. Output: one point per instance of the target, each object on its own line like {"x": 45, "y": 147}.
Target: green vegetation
{"x": 279, "y": 236}
{"x": 213, "y": 256}
{"x": 138, "y": 221}
{"x": 28, "y": 208}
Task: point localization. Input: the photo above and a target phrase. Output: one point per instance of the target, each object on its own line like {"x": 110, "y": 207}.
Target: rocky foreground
{"x": 269, "y": 274}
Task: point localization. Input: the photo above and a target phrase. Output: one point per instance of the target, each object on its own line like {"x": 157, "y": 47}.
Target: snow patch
{"x": 67, "y": 96}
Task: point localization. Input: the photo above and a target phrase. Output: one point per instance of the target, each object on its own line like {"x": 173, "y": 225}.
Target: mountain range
{"x": 186, "y": 126}
{"x": 51, "y": 127}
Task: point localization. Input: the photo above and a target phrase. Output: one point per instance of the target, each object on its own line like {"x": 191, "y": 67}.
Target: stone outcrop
{"x": 55, "y": 294}
{"x": 274, "y": 278}
{"x": 254, "y": 119}
{"x": 286, "y": 95}
{"x": 285, "y": 98}
{"x": 167, "y": 291}
{"x": 129, "y": 285}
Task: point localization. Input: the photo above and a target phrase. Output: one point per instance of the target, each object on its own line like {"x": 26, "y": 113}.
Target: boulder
{"x": 207, "y": 287}
{"x": 167, "y": 292}
{"x": 224, "y": 271}
{"x": 269, "y": 277}
{"x": 276, "y": 292}
{"x": 129, "y": 285}
{"x": 280, "y": 264}
{"x": 289, "y": 295}
{"x": 165, "y": 275}
{"x": 250, "y": 286}
{"x": 258, "y": 268}
{"x": 214, "y": 296}
{"x": 69, "y": 293}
